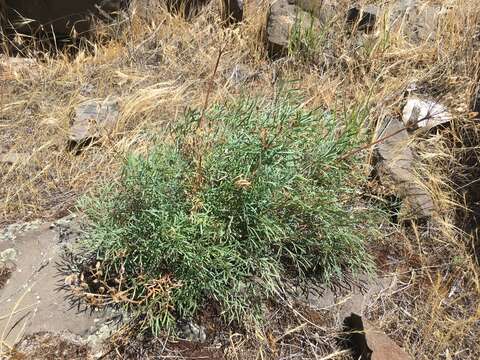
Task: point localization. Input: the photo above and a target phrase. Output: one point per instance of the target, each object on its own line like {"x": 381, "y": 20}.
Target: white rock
{"x": 424, "y": 113}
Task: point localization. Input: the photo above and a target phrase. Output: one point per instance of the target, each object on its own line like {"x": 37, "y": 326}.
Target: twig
{"x": 201, "y": 121}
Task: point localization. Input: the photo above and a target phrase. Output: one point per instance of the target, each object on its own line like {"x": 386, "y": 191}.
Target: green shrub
{"x": 229, "y": 216}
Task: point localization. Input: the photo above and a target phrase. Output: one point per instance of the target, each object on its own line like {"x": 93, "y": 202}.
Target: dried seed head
{"x": 242, "y": 184}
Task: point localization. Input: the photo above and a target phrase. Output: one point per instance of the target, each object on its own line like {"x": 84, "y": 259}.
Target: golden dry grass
{"x": 159, "y": 65}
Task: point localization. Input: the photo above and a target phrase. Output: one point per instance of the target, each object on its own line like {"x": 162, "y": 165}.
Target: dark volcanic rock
{"x": 369, "y": 343}
{"x": 363, "y": 18}
{"x": 58, "y": 16}
{"x": 233, "y": 10}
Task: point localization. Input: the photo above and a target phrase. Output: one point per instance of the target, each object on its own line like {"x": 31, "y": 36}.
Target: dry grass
{"x": 160, "y": 65}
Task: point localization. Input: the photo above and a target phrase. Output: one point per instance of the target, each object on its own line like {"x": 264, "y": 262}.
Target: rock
{"x": 52, "y": 345}
{"x": 353, "y": 297}
{"x": 283, "y": 16}
{"x": 97, "y": 340}
{"x": 13, "y": 158}
{"x": 8, "y": 255}
{"x": 424, "y": 113}
{"x": 11, "y": 232}
{"x": 233, "y": 10}
{"x": 413, "y": 18}
{"x": 7, "y": 265}
{"x": 421, "y": 21}
{"x": 33, "y": 295}
{"x": 322, "y": 10}
{"x": 394, "y": 166}
{"x": 241, "y": 74}
{"x": 57, "y": 16}
{"x": 68, "y": 228}
{"x": 369, "y": 343}
{"x": 192, "y": 332}
{"x": 363, "y": 18}
{"x": 93, "y": 119}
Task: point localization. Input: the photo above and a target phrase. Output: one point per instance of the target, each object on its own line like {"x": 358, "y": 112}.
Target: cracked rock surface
{"x": 31, "y": 301}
